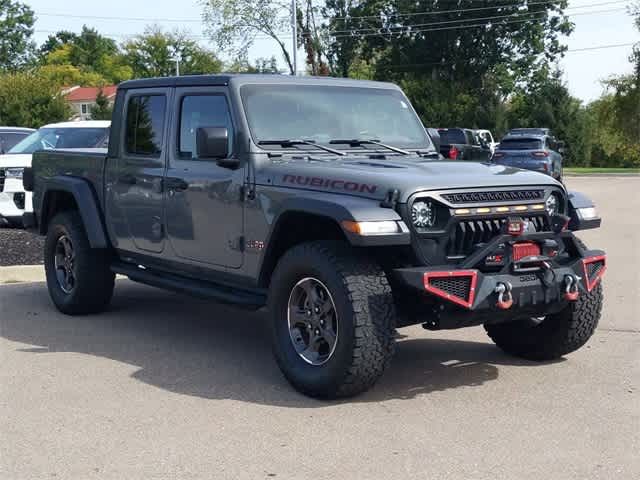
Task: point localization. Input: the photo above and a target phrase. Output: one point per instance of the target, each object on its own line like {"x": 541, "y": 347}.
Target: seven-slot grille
{"x": 498, "y": 196}
{"x": 2, "y": 180}
{"x": 469, "y": 233}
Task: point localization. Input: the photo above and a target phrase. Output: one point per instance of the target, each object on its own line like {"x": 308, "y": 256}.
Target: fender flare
{"x": 344, "y": 208}
{"x": 87, "y": 202}
{"x": 576, "y": 201}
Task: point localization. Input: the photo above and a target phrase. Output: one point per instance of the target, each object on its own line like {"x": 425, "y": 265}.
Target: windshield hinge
{"x": 391, "y": 200}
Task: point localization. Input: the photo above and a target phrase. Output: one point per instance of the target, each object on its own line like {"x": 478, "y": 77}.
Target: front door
{"x": 136, "y": 192}
{"x": 204, "y": 205}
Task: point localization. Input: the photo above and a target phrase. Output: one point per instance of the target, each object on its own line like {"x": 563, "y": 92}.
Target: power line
{"x": 441, "y": 12}
{"x": 473, "y": 9}
{"x": 532, "y": 16}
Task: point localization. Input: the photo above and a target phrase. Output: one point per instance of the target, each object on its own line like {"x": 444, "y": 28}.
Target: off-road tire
{"x": 366, "y": 313}
{"x": 94, "y": 280}
{"x": 557, "y": 335}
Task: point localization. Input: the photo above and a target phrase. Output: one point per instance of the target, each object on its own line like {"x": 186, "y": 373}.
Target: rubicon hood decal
{"x": 332, "y": 183}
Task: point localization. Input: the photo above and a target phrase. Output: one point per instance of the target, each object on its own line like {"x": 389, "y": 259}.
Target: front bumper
{"x": 534, "y": 286}
{"x": 14, "y": 201}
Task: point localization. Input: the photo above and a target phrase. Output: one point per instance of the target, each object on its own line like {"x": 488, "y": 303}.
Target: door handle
{"x": 175, "y": 184}
{"x": 127, "y": 179}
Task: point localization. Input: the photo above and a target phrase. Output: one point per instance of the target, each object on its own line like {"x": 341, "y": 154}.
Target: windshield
{"x": 49, "y": 138}
{"x": 521, "y": 144}
{"x": 325, "y": 113}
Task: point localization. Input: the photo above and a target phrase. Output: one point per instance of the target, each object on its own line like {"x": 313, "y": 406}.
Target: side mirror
{"x": 213, "y": 142}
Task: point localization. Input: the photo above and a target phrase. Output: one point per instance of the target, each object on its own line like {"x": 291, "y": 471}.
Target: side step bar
{"x": 253, "y": 299}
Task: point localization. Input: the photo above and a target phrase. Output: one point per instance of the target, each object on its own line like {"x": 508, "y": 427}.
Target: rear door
{"x": 204, "y": 205}
{"x": 135, "y": 189}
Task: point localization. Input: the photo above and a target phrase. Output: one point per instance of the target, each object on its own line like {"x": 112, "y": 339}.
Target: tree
{"x": 16, "y": 29}
{"x": 89, "y": 51}
{"x": 154, "y": 54}
{"x": 102, "y": 110}
{"x": 234, "y": 25}
{"x": 65, "y": 75}
{"x": 30, "y": 100}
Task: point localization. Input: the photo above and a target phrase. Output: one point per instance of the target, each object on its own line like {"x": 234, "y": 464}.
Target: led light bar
{"x": 506, "y": 209}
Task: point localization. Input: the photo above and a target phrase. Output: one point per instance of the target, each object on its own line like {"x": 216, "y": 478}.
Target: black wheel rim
{"x": 313, "y": 321}
{"x": 64, "y": 264}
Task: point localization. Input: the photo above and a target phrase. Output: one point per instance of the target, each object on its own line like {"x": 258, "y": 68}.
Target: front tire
{"x": 79, "y": 278}
{"x": 555, "y": 336}
{"x": 332, "y": 316}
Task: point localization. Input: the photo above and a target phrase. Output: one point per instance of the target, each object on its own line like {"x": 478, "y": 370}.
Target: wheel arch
{"x": 320, "y": 217}
{"x": 69, "y": 193}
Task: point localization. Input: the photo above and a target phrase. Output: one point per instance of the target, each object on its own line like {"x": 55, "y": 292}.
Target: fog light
{"x": 18, "y": 200}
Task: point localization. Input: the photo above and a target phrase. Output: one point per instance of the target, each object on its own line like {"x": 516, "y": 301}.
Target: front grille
{"x": 498, "y": 196}
{"x": 467, "y": 234}
{"x": 456, "y": 286}
{"x": 1, "y": 180}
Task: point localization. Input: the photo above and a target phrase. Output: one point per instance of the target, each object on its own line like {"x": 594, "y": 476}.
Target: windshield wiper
{"x": 359, "y": 143}
{"x": 293, "y": 143}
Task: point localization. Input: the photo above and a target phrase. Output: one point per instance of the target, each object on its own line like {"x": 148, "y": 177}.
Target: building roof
{"x": 89, "y": 94}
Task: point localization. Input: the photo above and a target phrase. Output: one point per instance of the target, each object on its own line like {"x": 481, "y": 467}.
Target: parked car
{"x": 530, "y": 131}
{"x": 538, "y": 152}
{"x": 462, "y": 144}
{"x": 344, "y": 238}
{"x": 14, "y": 201}
{"x": 486, "y": 138}
{"x": 9, "y": 136}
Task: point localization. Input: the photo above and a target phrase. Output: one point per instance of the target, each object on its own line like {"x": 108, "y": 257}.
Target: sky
{"x": 604, "y": 23}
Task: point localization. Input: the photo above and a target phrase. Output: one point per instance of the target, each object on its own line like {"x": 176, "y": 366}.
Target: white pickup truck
{"x": 14, "y": 201}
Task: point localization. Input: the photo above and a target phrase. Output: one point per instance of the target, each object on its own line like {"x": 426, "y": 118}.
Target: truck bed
{"x": 86, "y": 163}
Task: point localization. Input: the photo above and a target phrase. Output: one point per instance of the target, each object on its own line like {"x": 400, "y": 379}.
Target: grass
{"x": 589, "y": 170}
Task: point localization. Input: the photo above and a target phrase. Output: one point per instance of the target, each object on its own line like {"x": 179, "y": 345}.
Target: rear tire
{"x": 363, "y": 320}
{"x": 79, "y": 278}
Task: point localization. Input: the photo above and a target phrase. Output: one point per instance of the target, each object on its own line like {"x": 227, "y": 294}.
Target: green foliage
{"x": 102, "y": 110}
{"x": 90, "y": 52}
{"x": 30, "y": 100}
{"x": 16, "y": 29}
{"x": 154, "y": 54}
{"x": 65, "y": 75}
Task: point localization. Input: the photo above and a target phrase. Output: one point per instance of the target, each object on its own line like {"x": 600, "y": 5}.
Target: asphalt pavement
{"x": 164, "y": 386}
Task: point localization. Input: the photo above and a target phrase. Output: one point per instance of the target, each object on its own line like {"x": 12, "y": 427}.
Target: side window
{"x": 145, "y": 125}
{"x": 201, "y": 111}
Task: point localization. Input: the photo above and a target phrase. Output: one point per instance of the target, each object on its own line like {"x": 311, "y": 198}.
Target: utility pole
{"x": 294, "y": 26}
{"x": 177, "y": 66}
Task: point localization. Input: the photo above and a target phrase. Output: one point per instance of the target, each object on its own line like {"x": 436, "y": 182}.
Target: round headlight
{"x": 553, "y": 204}
{"x": 423, "y": 214}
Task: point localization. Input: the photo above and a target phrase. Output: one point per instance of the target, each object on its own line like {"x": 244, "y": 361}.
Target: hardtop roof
{"x": 239, "y": 79}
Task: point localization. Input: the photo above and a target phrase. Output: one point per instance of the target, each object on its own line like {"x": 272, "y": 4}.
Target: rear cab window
{"x": 145, "y": 125}
{"x": 452, "y": 135}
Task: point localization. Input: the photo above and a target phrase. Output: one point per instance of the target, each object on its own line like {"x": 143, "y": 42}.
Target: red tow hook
{"x": 505, "y": 299}
{"x": 571, "y": 292}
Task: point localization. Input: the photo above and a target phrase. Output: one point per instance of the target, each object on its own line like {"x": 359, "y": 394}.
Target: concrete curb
{"x": 22, "y": 274}
{"x": 616, "y": 175}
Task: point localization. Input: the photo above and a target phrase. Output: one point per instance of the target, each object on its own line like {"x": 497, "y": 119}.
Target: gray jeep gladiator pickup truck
{"x": 324, "y": 201}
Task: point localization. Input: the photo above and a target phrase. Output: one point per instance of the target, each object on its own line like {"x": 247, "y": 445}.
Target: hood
{"x": 15, "y": 160}
{"x": 374, "y": 178}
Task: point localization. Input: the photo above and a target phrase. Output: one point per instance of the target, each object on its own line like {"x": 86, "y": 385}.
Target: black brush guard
{"x": 534, "y": 286}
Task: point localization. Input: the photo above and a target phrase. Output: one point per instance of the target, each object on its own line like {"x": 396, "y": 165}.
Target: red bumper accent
{"x": 455, "y": 274}
{"x": 592, "y": 280}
